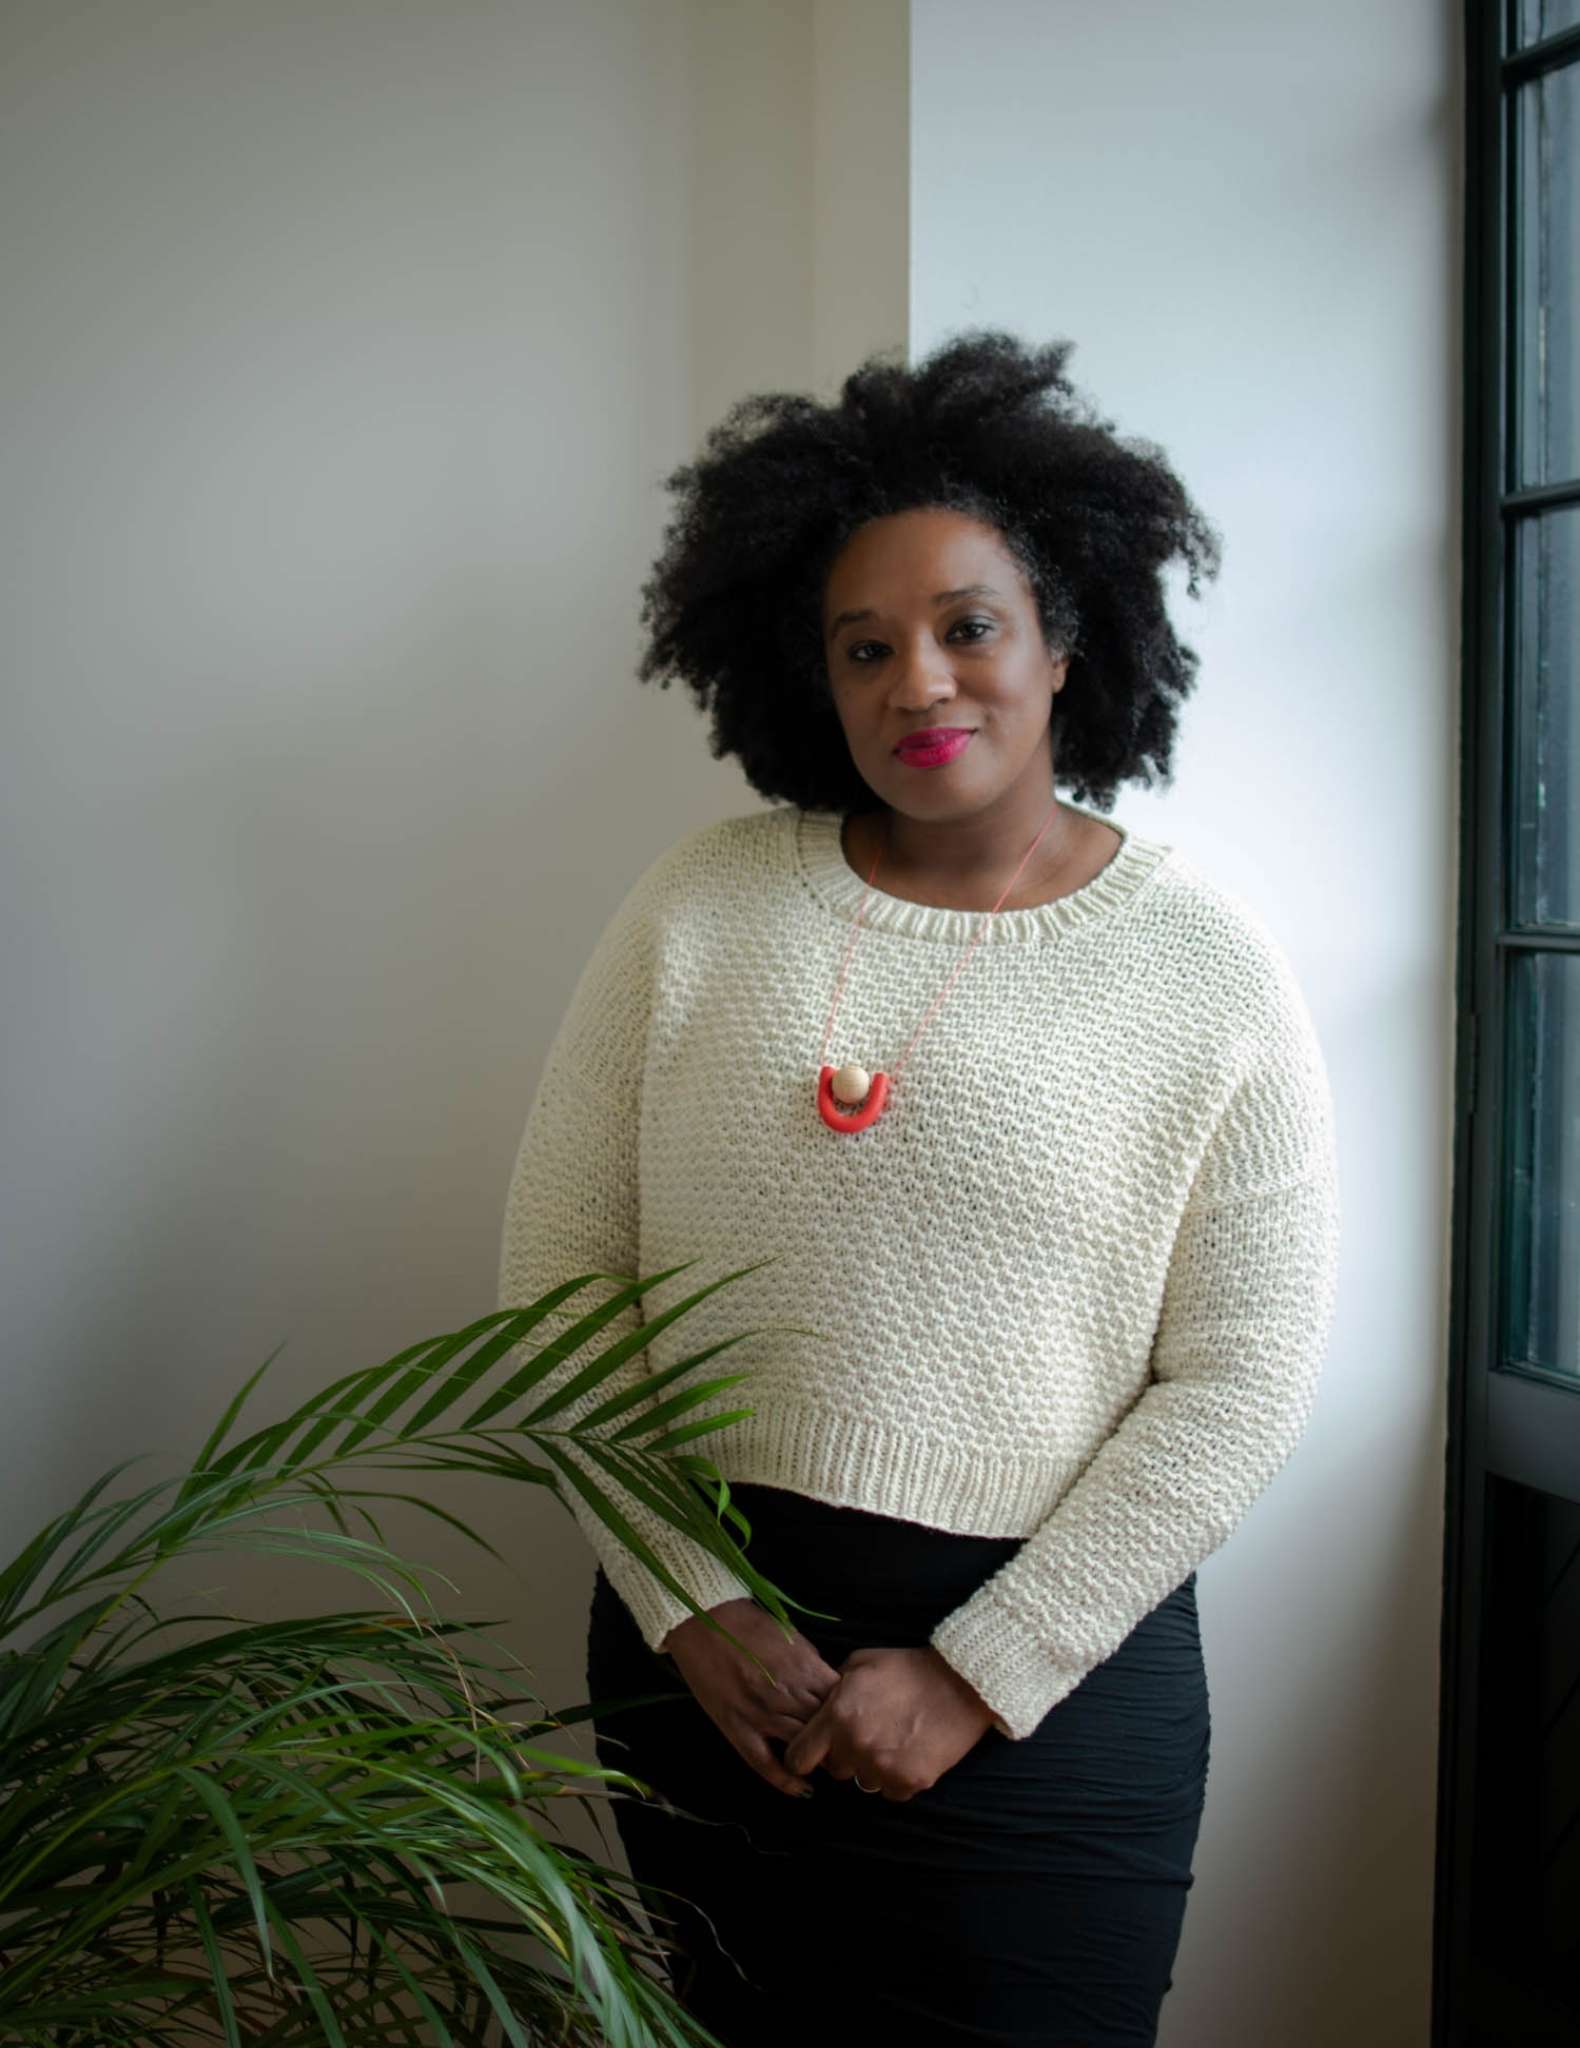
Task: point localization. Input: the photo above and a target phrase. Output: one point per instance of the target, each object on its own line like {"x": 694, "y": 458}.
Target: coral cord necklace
{"x": 848, "y": 1098}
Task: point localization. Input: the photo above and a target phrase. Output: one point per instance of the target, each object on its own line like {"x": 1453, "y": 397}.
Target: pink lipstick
{"x": 934, "y": 747}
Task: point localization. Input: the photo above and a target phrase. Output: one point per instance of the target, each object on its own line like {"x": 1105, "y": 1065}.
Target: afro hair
{"x": 987, "y": 425}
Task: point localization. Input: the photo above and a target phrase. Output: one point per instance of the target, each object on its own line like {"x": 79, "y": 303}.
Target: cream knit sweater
{"x": 1074, "y": 1285}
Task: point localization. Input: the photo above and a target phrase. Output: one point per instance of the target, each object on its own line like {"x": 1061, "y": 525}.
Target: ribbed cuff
{"x": 652, "y": 1606}
{"x": 1012, "y": 1672}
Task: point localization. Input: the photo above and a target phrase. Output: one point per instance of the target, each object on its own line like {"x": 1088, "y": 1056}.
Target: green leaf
{"x": 647, "y": 1385}
{"x": 423, "y": 1372}
{"x": 634, "y": 1341}
{"x": 612, "y": 1518}
{"x": 556, "y": 1352}
{"x": 216, "y": 1964}
{"x": 222, "y": 1428}
{"x": 306, "y": 1975}
{"x": 496, "y": 1998}
{"x": 19, "y": 1574}
{"x": 705, "y": 1427}
{"x": 517, "y": 1323}
{"x": 677, "y": 1404}
{"x": 230, "y": 1827}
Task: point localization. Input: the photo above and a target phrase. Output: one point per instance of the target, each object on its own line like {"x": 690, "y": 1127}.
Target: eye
{"x": 982, "y": 626}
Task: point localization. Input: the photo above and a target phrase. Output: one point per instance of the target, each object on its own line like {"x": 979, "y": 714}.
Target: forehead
{"x": 924, "y": 551}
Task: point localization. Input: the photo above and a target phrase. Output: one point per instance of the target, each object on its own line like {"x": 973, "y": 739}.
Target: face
{"x": 928, "y": 620}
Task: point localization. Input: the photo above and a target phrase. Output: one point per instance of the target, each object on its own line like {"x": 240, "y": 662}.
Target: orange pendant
{"x": 834, "y": 1113}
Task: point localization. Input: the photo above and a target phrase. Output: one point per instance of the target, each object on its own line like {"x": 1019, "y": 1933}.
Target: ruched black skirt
{"x": 1033, "y": 1896}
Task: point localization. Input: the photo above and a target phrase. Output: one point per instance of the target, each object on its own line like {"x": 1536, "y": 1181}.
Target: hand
{"x": 738, "y": 1698}
{"x": 898, "y": 1720}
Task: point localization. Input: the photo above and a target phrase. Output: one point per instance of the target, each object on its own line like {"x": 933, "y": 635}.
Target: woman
{"x": 1033, "y": 1140}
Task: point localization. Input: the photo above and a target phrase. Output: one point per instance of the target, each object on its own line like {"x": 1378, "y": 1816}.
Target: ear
{"x": 1059, "y": 668}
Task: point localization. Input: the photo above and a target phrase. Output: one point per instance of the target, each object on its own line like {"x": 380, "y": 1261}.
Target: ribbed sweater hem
{"x": 889, "y": 1469}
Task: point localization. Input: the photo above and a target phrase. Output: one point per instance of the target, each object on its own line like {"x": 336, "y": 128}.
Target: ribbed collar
{"x": 813, "y": 839}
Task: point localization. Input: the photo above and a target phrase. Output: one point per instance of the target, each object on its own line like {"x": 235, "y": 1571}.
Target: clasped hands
{"x": 897, "y": 1719}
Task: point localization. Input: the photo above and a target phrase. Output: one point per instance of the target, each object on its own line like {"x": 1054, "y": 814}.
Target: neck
{"x": 982, "y": 847}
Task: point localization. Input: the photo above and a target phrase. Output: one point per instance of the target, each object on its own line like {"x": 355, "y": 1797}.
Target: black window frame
{"x": 1513, "y": 1473}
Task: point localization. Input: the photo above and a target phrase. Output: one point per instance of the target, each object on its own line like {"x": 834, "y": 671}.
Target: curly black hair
{"x": 988, "y": 425}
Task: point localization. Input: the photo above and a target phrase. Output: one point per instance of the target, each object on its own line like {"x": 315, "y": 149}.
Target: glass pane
{"x": 1543, "y": 1327}
{"x": 1538, "y": 18}
{"x": 1546, "y": 793}
{"x": 1547, "y": 316}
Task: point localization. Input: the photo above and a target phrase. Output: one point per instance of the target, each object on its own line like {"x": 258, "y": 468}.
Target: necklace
{"x": 848, "y": 1098}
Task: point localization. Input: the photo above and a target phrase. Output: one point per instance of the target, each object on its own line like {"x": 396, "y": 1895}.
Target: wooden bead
{"x": 851, "y": 1083}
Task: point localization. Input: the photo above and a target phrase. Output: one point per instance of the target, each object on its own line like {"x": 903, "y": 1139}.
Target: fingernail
{"x": 806, "y": 1791}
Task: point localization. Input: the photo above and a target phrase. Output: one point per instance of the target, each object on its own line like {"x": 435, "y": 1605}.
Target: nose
{"x": 921, "y": 676}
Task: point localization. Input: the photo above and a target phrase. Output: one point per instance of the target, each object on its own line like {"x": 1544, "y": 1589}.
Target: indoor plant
{"x": 255, "y": 1832}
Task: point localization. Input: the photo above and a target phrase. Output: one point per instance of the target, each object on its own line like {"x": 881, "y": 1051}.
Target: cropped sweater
{"x": 1075, "y": 1283}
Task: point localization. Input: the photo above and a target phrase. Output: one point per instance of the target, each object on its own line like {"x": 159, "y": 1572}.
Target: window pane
{"x": 1538, "y": 18}
{"x": 1546, "y": 793}
{"x": 1543, "y": 1326}
{"x": 1548, "y": 313}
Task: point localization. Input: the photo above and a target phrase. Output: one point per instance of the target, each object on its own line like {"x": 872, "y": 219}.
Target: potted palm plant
{"x": 336, "y": 1828}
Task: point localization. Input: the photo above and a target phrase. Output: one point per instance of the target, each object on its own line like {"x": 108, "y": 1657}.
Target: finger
{"x": 808, "y": 1749}
{"x": 815, "y": 1679}
{"x": 755, "y": 1750}
{"x": 779, "y": 1727}
{"x": 799, "y": 1699}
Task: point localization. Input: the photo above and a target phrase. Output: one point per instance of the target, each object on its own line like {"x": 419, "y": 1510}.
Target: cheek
{"x": 852, "y": 707}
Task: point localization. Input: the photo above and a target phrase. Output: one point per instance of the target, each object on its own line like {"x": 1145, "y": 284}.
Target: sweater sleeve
{"x": 572, "y": 1208}
{"x": 1241, "y": 1334}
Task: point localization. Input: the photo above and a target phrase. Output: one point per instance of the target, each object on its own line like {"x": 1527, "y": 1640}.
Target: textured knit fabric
{"x": 1074, "y": 1285}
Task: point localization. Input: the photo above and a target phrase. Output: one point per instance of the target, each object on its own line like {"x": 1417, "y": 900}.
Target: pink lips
{"x": 934, "y": 750}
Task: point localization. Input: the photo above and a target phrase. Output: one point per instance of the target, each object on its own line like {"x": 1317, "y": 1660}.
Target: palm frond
{"x": 219, "y": 1830}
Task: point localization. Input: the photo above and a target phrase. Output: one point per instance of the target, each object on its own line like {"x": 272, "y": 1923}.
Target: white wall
{"x": 1246, "y": 219}
{"x": 343, "y": 346}
{"x": 798, "y": 196}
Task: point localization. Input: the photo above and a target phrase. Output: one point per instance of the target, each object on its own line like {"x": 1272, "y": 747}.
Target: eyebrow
{"x": 939, "y": 597}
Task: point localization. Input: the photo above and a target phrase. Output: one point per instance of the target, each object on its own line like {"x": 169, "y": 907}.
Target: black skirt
{"x": 1034, "y": 1895}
